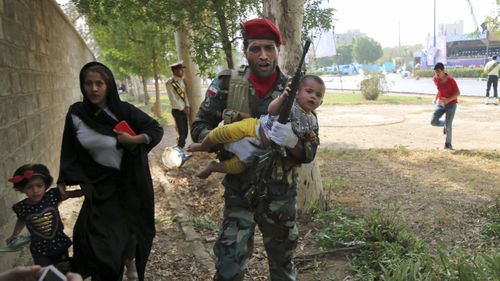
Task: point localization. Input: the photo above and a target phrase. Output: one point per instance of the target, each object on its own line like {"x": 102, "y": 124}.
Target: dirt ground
{"x": 436, "y": 215}
{"x": 475, "y": 126}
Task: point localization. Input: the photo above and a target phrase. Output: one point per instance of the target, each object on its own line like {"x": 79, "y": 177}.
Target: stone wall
{"x": 41, "y": 54}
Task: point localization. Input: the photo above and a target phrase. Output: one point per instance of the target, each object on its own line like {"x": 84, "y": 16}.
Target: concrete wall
{"x": 40, "y": 58}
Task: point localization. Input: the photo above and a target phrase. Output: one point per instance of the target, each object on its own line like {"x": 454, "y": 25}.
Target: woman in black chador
{"x": 111, "y": 166}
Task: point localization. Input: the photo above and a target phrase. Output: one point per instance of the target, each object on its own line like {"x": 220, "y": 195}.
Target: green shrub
{"x": 373, "y": 86}
{"x": 390, "y": 252}
{"x": 475, "y": 72}
{"x": 338, "y": 229}
{"x": 491, "y": 228}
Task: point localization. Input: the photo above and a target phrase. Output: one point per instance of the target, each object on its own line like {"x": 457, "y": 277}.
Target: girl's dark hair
{"x": 311, "y": 77}
{"x": 36, "y": 168}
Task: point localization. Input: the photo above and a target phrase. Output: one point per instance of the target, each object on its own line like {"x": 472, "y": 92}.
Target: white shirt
{"x": 175, "y": 100}
{"x": 101, "y": 147}
{"x": 489, "y": 64}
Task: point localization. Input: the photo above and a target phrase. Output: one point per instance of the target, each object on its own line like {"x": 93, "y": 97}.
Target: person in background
{"x": 446, "y": 102}
{"x": 176, "y": 90}
{"x": 491, "y": 68}
{"x": 110, "y": 163}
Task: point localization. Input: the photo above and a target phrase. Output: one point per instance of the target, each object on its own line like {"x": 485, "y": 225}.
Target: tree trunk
{"x": 145, "y": 89}
{"x": 288, "y": 15}
{"x": 135, "y": 88}
{"x": 226, "y": 45}
{"x": 192, "y": 81}
{"x": 157, "y": 105}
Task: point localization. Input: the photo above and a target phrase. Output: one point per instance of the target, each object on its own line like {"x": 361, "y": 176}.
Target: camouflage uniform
{"x": 276, "y": 211}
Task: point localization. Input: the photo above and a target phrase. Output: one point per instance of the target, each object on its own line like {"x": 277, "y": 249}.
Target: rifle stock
{"x": 286, "y": 107}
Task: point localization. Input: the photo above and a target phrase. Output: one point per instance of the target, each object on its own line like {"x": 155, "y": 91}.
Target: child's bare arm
{"x": 275, "y": 105}
{"x": 17, "y": 229}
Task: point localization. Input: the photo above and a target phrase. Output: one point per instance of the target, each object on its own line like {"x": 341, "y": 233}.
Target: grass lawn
{"x": 338, "y": 98}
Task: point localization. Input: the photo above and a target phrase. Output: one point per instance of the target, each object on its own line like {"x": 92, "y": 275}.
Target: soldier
{"x": 232, "y": 96}
{"x": 176, "y": 90}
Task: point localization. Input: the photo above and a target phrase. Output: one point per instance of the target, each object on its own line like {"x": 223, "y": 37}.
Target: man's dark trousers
{"x": 492, "y": 80}
{"x": 181, "y": 122}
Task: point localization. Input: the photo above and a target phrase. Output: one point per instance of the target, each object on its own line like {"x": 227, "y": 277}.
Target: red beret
{"x": 261, "y": 29}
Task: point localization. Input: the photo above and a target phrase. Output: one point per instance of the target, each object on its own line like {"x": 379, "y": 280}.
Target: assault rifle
{"x": 262, "y": 165}
{"x": 286, "y": 107}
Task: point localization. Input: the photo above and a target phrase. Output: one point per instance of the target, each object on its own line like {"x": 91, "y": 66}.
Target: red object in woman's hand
{"x": 124, "y": 127}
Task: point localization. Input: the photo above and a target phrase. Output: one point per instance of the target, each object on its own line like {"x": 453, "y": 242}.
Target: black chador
{"x": 119, "y": 203}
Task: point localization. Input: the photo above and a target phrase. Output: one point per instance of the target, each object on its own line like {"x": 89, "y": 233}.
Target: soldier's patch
{"x": 213, "y": 89}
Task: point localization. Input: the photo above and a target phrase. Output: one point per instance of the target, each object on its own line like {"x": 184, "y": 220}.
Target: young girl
{"x": 49, "y": 244}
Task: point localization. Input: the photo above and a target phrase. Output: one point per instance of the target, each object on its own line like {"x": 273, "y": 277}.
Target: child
{"x": 49, "y": 244}
{"x": 304, "y": 124}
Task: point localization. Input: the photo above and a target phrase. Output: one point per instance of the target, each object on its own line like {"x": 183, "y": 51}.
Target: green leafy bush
{"x": 391, "y": 252}
{"x": 338, "y": 228}
{"x": 373, "y": 86}
{"x": 476, "y": 72}
{"x": 491, "y": 228}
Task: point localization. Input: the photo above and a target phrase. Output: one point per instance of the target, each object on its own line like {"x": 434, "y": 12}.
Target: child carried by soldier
{"x": 302, "y": 117}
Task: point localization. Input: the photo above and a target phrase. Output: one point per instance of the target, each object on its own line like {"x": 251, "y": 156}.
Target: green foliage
{"x": 338, "y": 228}
{"x": 131, "y": 39}
{"x": 384, "y": 235}
{"x": 460, "y": 265}
{"x": 402, "y": 150}
{"x": 204, "y": 224}
{"x": 316, "y": 19}
{"x": 455, "y": 72}
{"x": 491, "y": 228}
{"x": 214, "y": 26}
{"x": 389, "y": 242}
{"x": 366, "y": 50}
{"x": 408, "y": 270}
{"x": 373, "y": 86}
{"x": 390, "y": 252}
{"x": 404, "y": 53}
{"x": 344, "y": 54}
{"x": 325, "y": 61}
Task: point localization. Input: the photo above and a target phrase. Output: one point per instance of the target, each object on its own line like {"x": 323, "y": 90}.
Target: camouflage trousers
{"x": 275, "y": 217}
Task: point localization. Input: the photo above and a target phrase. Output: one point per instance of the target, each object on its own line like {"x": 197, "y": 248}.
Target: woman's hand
{"x": 125, "y": 138}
